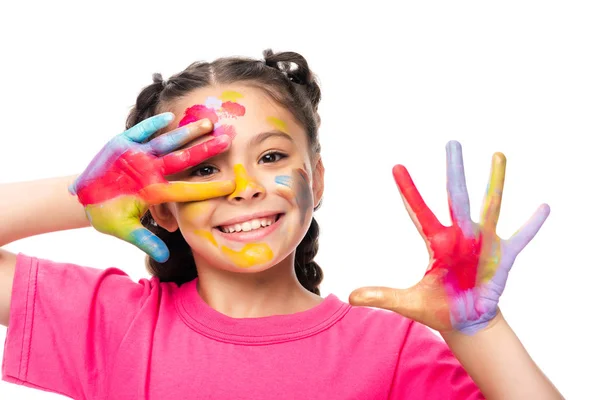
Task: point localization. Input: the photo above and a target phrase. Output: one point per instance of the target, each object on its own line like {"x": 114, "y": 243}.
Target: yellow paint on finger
{"x": 278, "y": 124}
{"x": 490, "y": 211}
{"x": 489, "y": 259}
{"x": 182, "y": 192}
{"x": 230, "y": 95}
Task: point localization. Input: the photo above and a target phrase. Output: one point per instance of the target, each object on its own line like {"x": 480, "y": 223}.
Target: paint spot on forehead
{"x": 198, "y": 112}
{"x": 230, "y": 95}
{"x": 214, "y": 109}
{"x": 278, "y": 124}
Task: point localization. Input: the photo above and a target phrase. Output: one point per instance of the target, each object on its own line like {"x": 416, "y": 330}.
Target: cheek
{"x": 297, "y": 190}
{"x": 194, "y": 214}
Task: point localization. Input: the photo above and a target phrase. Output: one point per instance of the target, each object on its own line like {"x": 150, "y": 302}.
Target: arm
{"x": 28, "y": 209}
{"x": 113, "y": 193}
{"x": 495, "y": 356}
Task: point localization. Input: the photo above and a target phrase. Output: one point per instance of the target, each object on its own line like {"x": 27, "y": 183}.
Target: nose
{"x": 246, "y": 187}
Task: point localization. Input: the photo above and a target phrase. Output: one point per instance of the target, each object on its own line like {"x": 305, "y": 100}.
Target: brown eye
{"x": 205, "y": 170}
{"x": 272, "y": 157}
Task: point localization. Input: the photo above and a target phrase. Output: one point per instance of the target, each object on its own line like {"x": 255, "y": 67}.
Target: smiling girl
{"x": 216, "y": 178}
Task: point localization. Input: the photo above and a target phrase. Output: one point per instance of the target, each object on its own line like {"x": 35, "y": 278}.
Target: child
{"x": 216, "y": 179}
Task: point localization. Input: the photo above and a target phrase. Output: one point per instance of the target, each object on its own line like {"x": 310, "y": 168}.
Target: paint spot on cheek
{"x": 207, "y": 235}
{"x": 303, "y": 193}
{"x": 284, "y": 187}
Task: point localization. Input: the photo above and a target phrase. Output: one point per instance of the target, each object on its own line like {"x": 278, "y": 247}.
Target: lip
{"x": 253, "y": 235}
{"x": 244, "y": 218}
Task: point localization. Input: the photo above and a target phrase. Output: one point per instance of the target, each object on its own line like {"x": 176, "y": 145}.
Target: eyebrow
{"x": 258, "y": 139}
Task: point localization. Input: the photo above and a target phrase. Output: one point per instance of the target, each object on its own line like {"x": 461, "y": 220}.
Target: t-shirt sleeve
{"x": 66, "y": 321}
{"x": 427, "y": 369}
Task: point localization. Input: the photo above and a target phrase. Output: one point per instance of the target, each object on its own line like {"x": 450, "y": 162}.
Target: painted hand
{"x": 469, "y": 263}
{"x": 127, "y": 176}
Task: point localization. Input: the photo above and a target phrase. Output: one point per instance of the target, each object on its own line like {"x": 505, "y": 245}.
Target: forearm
{"x": 499, "y": 364}
{"x": 35, "y": 207}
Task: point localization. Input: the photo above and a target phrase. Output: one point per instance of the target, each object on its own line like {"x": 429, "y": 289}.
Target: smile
{"x": 251, "y": 229}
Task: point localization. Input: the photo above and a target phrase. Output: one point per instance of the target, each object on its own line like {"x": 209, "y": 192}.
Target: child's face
{"x": 277, "y": 182}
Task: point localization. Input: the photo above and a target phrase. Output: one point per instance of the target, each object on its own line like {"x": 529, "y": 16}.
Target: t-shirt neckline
{"x": 198, "y": 315}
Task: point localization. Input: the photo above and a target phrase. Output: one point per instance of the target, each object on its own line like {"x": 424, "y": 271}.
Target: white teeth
{"x": 248, "y": 225}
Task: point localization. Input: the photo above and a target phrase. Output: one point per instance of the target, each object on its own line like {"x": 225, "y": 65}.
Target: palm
{"x": 469, "y": 263}
{"x": 127, "y": 175}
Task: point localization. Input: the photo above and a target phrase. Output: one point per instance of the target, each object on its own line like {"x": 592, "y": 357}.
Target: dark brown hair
{"x": 286, "y": 78}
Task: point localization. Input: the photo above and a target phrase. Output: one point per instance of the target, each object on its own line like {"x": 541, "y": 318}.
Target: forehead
{"x": 248, "y": 108}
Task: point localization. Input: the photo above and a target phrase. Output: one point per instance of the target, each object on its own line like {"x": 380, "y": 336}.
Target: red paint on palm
{"x": 127, "y": 175}
{"x": 454, "y": 256}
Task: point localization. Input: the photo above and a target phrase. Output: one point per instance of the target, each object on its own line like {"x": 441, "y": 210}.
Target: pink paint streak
{"x": 228, "y": 130}
{"x": 198, "y": 112}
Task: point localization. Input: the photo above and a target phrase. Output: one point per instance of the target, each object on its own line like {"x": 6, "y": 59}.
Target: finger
{"x": 182, "y": 192}
{"x": 423, "y": 218}
{"x": 148, "y": 242}
{"x": 490, "y": 211}
{"x": 456, "y": 185}
{"x": 183, "y": 159}
{"x": 173, "y": 140}
{"x": 145, "y": 129}
{"x": 523, "y": 236}
{"x": 407, "y": 302}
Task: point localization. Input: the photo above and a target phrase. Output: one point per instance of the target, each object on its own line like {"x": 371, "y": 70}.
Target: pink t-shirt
{"x": 96, "y": 334}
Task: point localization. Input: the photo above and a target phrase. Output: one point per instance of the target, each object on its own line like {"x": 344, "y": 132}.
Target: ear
{"x": 318, "y": 181}
{"x": 164, "y": 217}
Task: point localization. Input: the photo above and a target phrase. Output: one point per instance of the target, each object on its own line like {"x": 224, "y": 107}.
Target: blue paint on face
{"x": 284, "y": 180}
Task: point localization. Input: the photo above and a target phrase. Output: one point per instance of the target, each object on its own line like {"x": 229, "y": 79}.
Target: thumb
{"x": 406, "y": 302}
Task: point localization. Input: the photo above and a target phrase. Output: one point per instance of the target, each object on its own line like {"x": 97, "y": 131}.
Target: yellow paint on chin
{"x": 250, "y": 255}
{"x": 278, "y": 124}
{"x": 230, "y": 95}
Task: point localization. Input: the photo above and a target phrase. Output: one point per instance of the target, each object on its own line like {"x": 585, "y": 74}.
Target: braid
{"x": 308, "y": 272}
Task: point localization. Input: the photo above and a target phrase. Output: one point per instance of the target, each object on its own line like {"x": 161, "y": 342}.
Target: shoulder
{"x": 54, "y": 275}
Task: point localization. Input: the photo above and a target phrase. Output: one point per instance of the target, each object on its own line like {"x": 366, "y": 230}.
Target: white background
{"x": 521, "y": 77}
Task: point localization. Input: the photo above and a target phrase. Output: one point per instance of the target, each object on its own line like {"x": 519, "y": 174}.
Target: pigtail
{"x": 308, "y": 272}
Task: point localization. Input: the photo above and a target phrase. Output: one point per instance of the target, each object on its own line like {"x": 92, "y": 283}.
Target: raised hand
{"x": 128, "y": 175}
{"x": 469, "y": 263}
